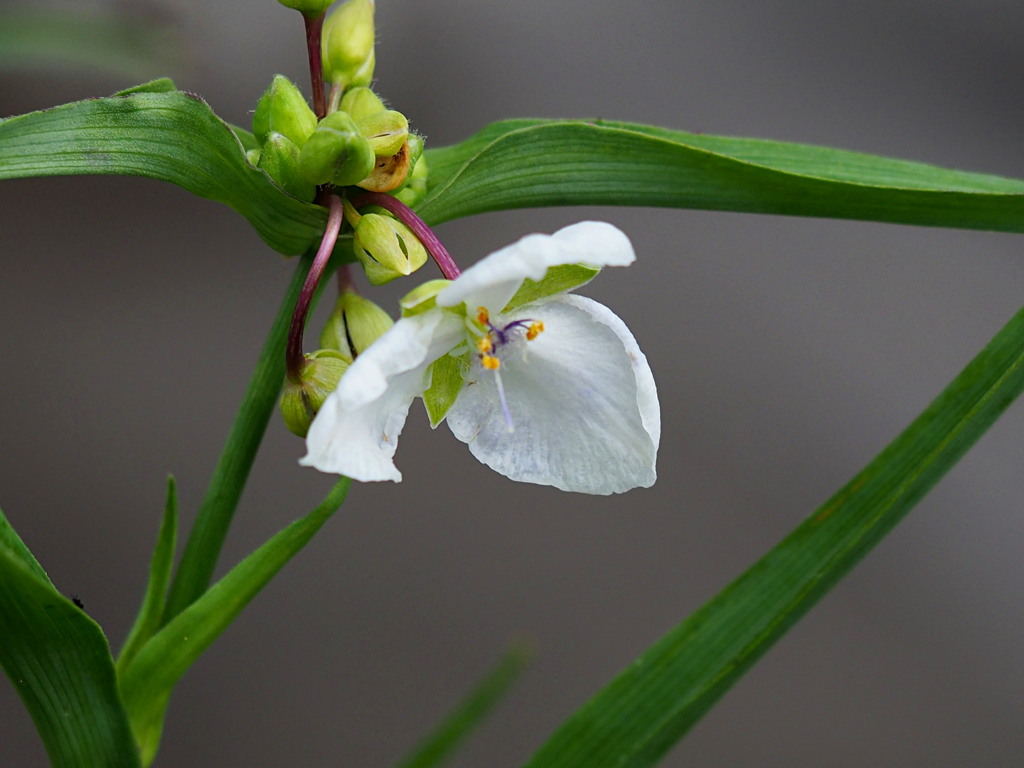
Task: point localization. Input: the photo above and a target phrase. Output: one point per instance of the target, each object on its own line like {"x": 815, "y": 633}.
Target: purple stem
{"x": 294, "y": 358}
{"x": 314, "y": 33}
{"x": 419, "y": 228}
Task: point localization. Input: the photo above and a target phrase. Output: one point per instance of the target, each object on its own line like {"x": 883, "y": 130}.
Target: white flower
{"x": 543, "y": 386}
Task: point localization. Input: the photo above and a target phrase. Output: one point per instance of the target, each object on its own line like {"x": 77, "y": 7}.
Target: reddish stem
{"x": 405, "y": 214}
{"x": 294, "y": 358}
{"x": 314, "y": 33}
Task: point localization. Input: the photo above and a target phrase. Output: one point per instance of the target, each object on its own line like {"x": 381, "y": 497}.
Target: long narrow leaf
{"x": 172, "y": 137}
{"x": 147, "y": 681}
{"x": 152, "y": 610}
{"x": 59, "y": 663}
{"x": 650, "y": 705}
{"x": 470, "y": 712}
{"x": 527, "y": 163}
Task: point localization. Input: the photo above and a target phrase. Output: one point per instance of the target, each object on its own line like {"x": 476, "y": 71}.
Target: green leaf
{"x": 470, "y": 713}
{"x": 152, "y": 610}
{"x": 637, "y": 718}
{"x": 148, "y": 679}
{"x": 170, "y": 136}
{"x": 446, "y": 381}
{"x": 59, "y": 663}
{"x": 560, "y": 279}
{"x": 527, "y": 163}
{"x": 124, "y": 44}
{"x": 10, "y": 539}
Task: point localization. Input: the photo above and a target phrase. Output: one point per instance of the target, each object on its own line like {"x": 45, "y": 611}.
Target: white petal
{"x": 356, "y": 431}
{"x": 582, "y": 401}
{"x": 493, "y": 280}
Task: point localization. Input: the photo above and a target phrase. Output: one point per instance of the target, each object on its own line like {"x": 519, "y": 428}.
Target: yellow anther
{"x": 491, "y": 363}
{"x": 484, "y": 343}
{"x": 482, "y": 315}
{"x": 534, "y": 330}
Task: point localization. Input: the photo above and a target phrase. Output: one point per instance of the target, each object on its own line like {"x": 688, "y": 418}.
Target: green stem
{"x": 211, "y": 526}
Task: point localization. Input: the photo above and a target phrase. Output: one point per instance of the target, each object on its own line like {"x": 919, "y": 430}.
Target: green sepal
{"x": 423, "y": 297}
{"x": 560, "y": 279}
{"x": 307, "y": 7}
{"x": 336, "y": 153}
{"x": 446, "y": 381}
{"x": 347, "y": 44}
{"x": 361, "y": 102}
{"x": 280, "y": 159}
{"x": 386, "y": 131}
{"x": 354, "y": 325}
{"x": 283, "y": 109}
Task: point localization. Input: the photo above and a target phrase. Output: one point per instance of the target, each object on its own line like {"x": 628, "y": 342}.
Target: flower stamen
{"x": 536, "y": 328}
{"x": 490, "y": 362}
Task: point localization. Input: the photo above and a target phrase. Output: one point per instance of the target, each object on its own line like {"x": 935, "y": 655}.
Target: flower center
{"x": 494, "y": 337}
{"x": 490, "y": 342}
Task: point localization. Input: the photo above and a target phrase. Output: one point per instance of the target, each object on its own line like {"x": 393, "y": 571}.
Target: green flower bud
{"x": 415, "y": 188}
{"x": 336, "y": 153}
{"x": 280, "y": 159}
{"x": 253, "y": 156}
{"x": 387, "y": 248}
{"x": 307, "y": 7}
{"x": 423, "y": 297}
{"x": 389, "y": 172}
{"x": 361, "y": 102}
{"x": 386, "y": 131}
{"x": 347, "y": 48}
{"x": 282, "y": 108}
{"x": 354, "y": 325}
{"x": 301, "y": 400}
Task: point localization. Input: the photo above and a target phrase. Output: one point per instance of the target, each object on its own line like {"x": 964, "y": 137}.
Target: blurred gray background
{"x": 787, "y": 353}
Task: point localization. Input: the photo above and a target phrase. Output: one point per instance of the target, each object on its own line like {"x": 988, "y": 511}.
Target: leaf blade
{"x": 149, "y": 678}
{"x": 644, "y": 711}
{"x": 472, "y": 710}
{"x": 59, "y": 663}
{"x": 169, "y": 136}
{"x": 161, "y": 564}
{"x": 574, "y": 162}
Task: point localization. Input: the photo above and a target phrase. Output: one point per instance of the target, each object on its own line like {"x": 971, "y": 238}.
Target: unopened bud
{"x": 336, "y": 153}
{"x": 307, "y": 7}
{"x": 361, "y": 102}
{"x": 389, "y": 172}
{"x": 354, "y": 325}
{"x": 423, "y": 297}
{"x": 387, "y": 248}
{"x": 386, "y": 131}
{"x": 347, "y": 48}
{"x": 300, "y": 401}
{"x": 283, "y": 109}
{"x": 280, "y": 159}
